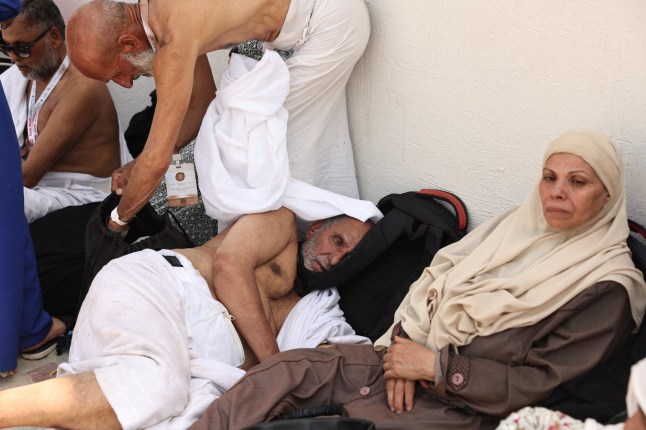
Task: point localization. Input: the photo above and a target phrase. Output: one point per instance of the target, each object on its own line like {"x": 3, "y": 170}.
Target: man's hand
{"x": 406, "y": 362}
{"x": 120, "y": 230}
{"x": 120, "y": 179}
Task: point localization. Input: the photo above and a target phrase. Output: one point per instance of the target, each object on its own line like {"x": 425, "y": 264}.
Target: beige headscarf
{"x": 515, "y": 270}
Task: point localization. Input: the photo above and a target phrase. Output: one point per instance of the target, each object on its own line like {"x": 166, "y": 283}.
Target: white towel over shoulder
{"x": 241, "y": 150}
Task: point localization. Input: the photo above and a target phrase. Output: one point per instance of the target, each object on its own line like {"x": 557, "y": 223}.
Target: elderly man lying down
{"x": 153, "y": 346}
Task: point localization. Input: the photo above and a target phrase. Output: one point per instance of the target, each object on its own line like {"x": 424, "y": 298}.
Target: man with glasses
{"x": 66, "y": 124}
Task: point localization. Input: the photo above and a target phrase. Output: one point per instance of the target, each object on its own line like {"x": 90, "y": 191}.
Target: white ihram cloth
{"x": 326, "y": 39}
{"x": 15, "y": 88}
{"x": 241, "y": 153}
{"x": 55, "y": 190}
{"x": 162, "y": 349}
{"x": 319, "y": 313}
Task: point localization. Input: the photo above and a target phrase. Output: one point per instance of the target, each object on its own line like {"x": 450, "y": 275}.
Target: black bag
{"x": 59, "y": 245}
{"x": 103, "y": 245}
{"x": 138, "y": 129}
{"x": 374, "y": 278}
{"x": 638, "y": 250}
{"x": 308, "y": 419}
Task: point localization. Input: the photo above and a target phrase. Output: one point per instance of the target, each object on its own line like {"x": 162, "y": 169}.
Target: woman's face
{"x": 571, "y": 192}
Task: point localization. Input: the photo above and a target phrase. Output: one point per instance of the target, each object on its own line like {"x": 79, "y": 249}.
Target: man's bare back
{"x": 77, "y": 130}
{"x": 215, "y": 24}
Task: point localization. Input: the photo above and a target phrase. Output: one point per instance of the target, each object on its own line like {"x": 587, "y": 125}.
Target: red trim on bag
{"x": 637, "y": 228}
{"x": 455, "y": 201}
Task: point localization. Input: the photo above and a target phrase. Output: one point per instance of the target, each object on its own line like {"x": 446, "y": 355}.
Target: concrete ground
{"x": 33, "y": 371}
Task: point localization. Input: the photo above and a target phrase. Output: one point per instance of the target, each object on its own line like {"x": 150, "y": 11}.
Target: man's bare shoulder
{"x": 78, "y": 84}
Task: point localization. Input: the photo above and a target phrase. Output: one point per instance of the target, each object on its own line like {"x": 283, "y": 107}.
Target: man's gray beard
{"x": 143, "y": 61}
{"x": 47, "y": 66}
{"x": 308, "y": 253}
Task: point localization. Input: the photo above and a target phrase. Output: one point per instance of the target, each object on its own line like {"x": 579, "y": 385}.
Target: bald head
{"x": 92, "y": 36}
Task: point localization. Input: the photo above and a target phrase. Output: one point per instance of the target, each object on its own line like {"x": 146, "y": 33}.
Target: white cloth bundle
{"x": 316, "y": 319}
{"x": 241, "y": 152}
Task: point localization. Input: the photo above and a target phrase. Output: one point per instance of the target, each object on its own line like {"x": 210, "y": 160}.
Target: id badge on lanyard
{"x": 181, "y": 185}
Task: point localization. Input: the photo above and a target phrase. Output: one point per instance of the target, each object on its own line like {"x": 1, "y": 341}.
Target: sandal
{"x": 42, "y": 351}
{"x": 59, "y": 343}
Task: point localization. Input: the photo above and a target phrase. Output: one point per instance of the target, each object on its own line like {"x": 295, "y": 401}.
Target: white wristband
{"x": 114, "y": 216}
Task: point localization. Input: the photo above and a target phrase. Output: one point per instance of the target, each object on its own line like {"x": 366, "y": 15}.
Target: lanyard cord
{"x": 34, "y": 106}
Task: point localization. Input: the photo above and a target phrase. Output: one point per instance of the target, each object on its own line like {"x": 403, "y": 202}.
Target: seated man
{"x": 150, "y": 348}
{"x": 66, "y": 124}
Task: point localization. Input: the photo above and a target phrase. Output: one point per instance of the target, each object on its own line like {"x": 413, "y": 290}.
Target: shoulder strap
{"x": 458, "y": 205}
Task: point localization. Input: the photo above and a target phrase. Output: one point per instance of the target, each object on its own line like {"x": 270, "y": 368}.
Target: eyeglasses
{"x": 22, "y": 50}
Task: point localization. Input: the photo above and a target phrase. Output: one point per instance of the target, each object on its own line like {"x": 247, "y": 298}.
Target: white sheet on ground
{"x": 241, "y": 153}
{"x": 162, "y": 349}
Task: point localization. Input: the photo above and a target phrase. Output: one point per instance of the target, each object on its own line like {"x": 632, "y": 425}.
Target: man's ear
{"x": 57, "y": 39}
{"x": 128, "y": 43}
{"x": 313, "y": 227}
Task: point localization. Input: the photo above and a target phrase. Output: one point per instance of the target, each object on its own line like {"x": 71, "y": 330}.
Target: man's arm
{"x": 202, "y": 95}
{"x": 252, "y": 241}
{"x": 72, "y": 116}
{"x": 175, "y": 67}
{"x": 71, "y": 402}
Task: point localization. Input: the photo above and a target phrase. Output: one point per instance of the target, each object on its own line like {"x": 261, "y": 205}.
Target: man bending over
{"x": 151, "y": 349}
{"x": 66, "y": 123}
{"x": 323, "y": 39}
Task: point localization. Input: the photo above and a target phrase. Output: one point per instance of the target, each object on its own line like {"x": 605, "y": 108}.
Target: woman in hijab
{"x": 525, "y": 302}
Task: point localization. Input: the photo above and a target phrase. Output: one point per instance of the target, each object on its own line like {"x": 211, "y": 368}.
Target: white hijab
{"x": 515, "y": 270}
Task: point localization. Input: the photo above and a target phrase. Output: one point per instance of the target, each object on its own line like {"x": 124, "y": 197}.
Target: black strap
{"x": 316, "y": 411}
{"x": 173, "y": 261}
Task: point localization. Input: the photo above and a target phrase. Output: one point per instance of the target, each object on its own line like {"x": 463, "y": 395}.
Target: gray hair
{"x": 41, "y": 13}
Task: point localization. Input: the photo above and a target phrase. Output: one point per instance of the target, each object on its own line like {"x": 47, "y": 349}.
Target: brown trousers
{"x": 350, "y": 375}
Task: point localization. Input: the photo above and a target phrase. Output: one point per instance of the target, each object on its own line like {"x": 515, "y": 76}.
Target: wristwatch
{"x": 114, "y": 216}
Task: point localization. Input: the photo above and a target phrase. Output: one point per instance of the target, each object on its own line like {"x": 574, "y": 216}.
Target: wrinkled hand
{"x": 406, "y": 362}
{"x": 120, "y": 177}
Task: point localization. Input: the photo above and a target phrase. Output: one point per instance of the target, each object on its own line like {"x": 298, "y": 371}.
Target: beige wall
{"x": 465, "y": 95}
